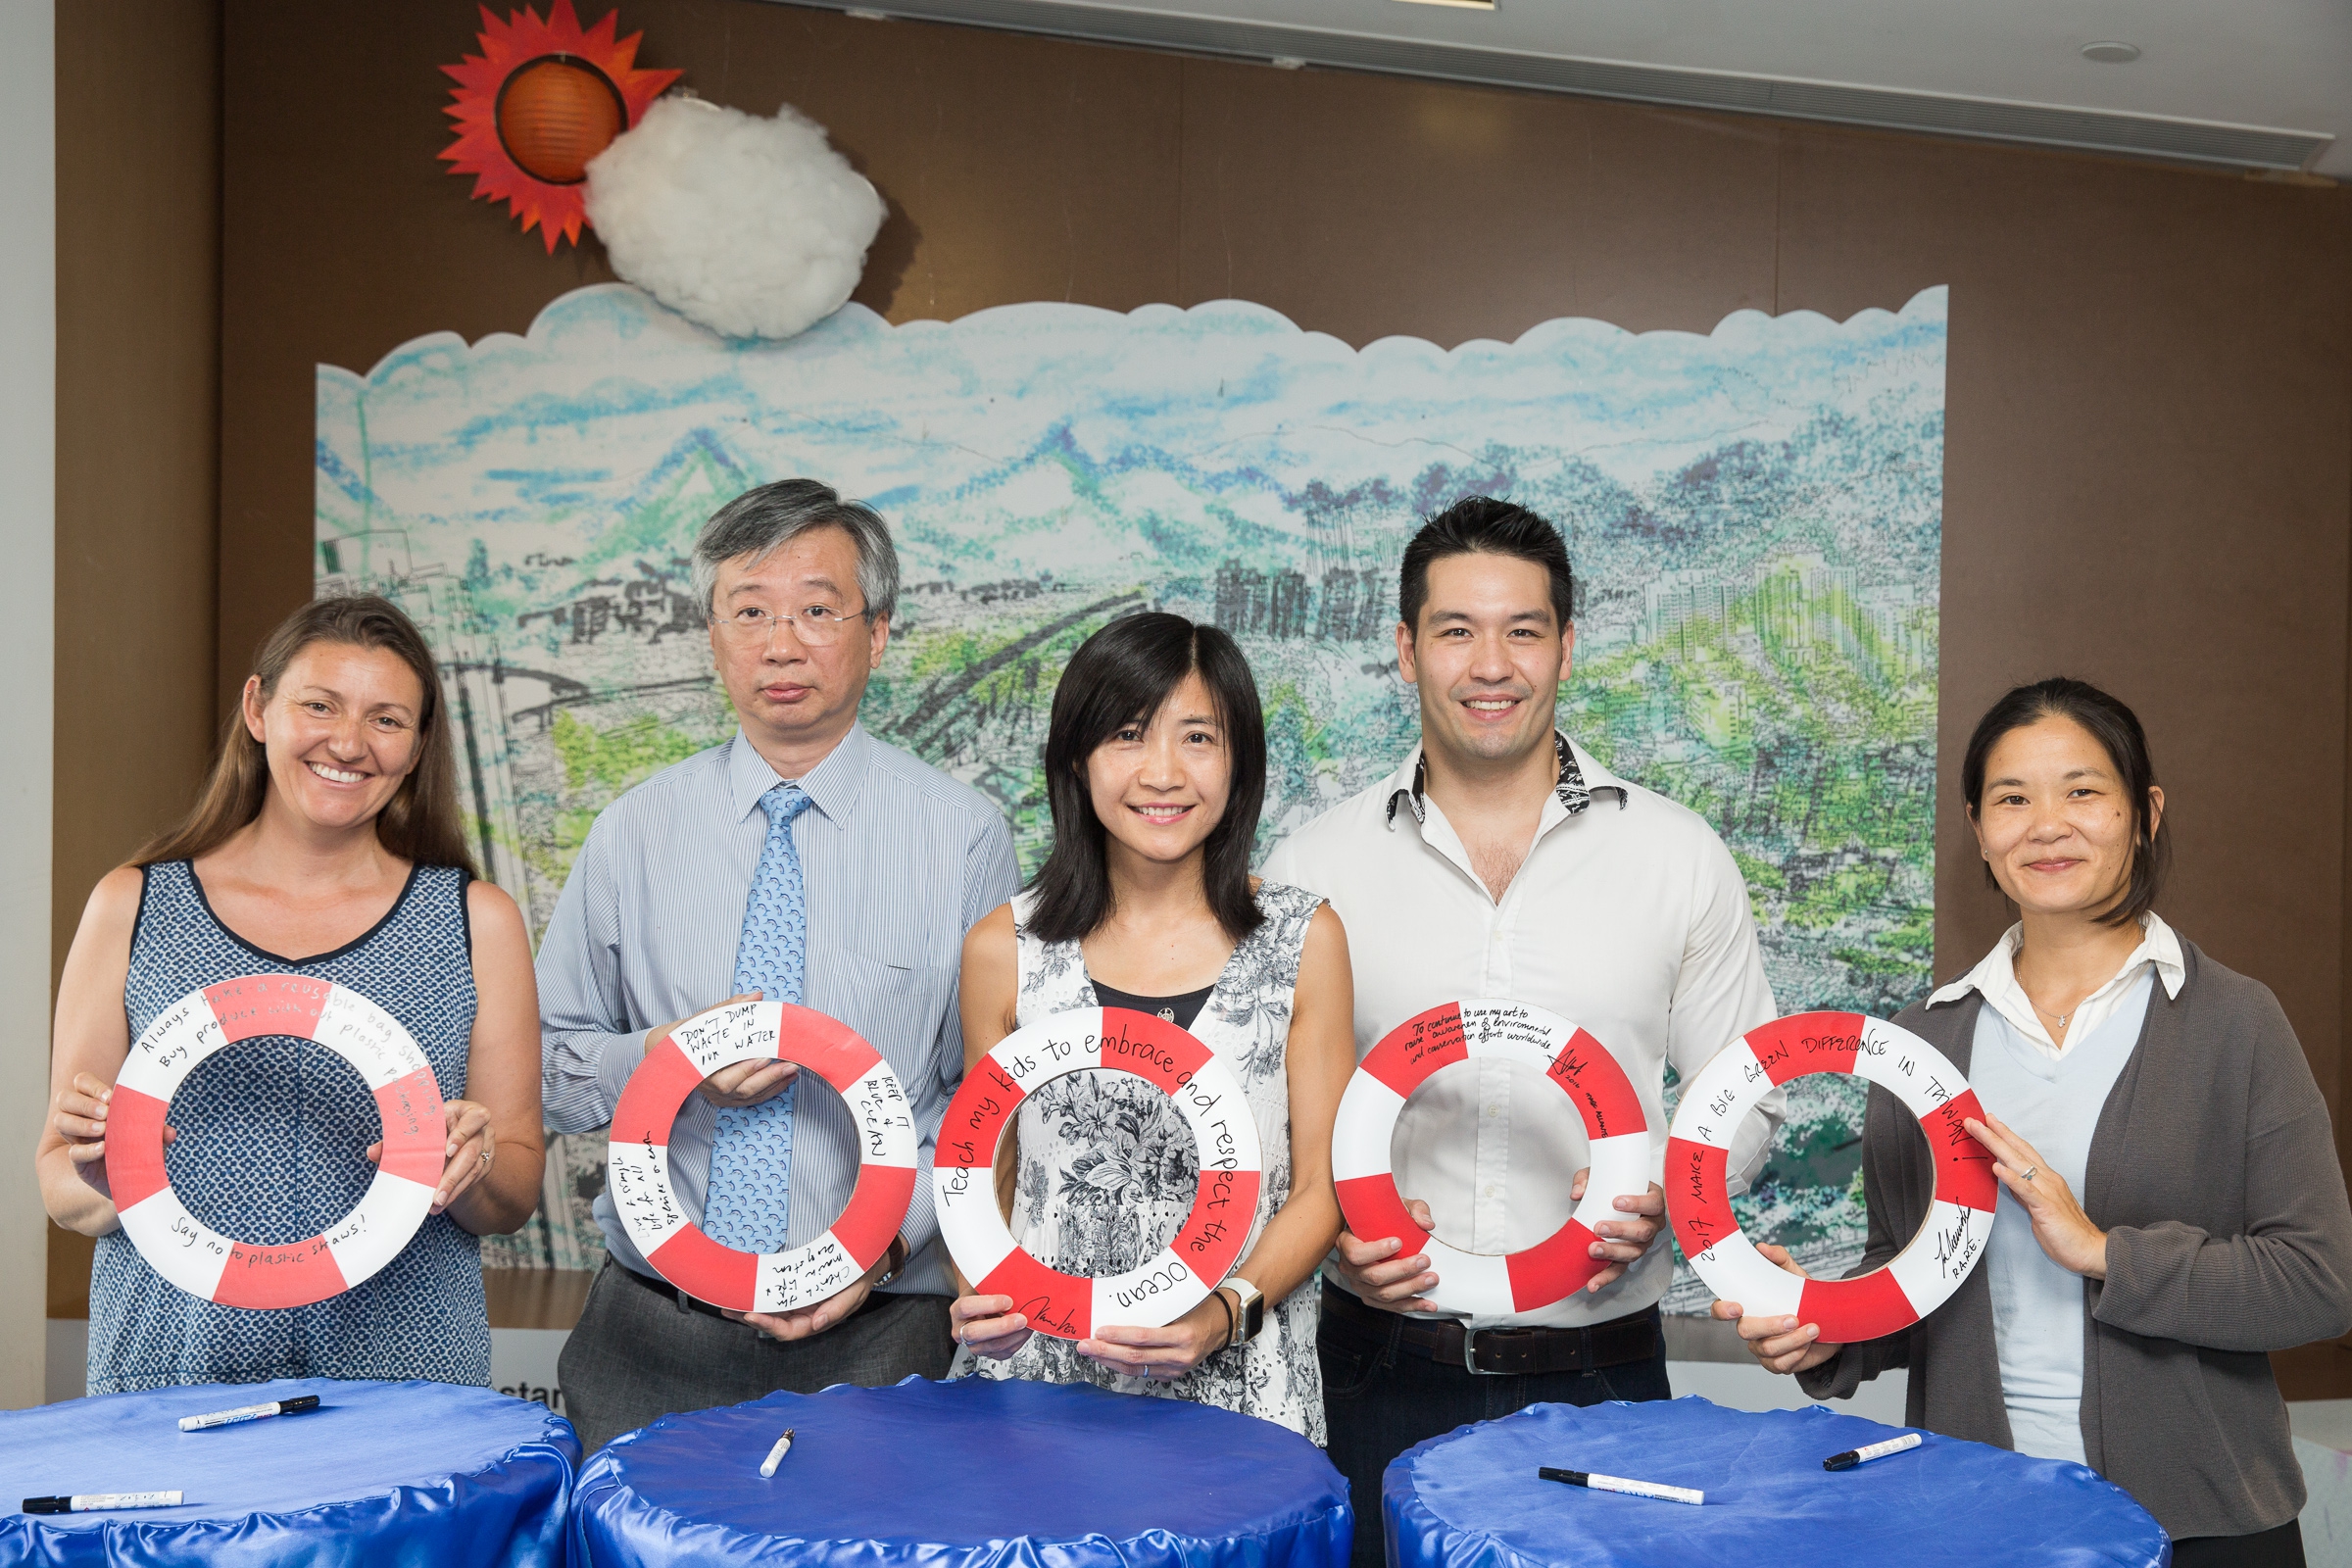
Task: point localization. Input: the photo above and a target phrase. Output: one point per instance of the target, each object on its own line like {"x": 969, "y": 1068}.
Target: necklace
{"x": 2066, "y": 1018}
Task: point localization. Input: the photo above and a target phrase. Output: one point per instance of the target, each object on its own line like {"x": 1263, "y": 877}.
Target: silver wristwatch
{"x": 1253, "y": 1314}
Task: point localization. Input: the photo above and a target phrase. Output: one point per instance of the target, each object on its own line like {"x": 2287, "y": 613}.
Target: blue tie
{"x": 751, "y": 1153}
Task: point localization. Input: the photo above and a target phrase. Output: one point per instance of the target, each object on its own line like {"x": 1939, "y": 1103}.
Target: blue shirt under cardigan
{"x": 2052, "y": 1103}
{"x": 899, "y": 861}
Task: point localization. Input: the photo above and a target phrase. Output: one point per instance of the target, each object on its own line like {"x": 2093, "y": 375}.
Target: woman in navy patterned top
{"x": 327, "y": 844}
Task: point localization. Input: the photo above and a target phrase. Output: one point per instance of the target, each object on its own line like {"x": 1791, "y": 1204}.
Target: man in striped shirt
{"x": 891, "y": 861}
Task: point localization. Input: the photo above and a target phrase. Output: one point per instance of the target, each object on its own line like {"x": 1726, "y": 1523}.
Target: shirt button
{"x": 1491, "y": 1189}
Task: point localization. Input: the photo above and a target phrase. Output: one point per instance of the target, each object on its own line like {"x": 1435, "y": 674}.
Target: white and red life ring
{"x": 1920, "y": 1276}
{"x": 1582, "y": 1069}
{"x": 199, "y": 1259}
{"x": 637, "y": 1158}
{"x": 1205, "y": 1247}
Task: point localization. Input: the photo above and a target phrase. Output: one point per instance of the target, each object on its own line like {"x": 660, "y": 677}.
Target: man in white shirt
{"x": 1500, "y": 859}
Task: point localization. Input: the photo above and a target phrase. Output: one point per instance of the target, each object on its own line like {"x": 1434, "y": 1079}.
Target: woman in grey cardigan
{"x": 2126, "y": 1328}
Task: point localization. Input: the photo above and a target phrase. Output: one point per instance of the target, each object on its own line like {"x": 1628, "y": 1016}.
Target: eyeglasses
{"x": 816, "y": 626}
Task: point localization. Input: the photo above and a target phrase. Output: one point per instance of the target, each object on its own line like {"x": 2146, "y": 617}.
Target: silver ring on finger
{"x": 2030, "y": 1172}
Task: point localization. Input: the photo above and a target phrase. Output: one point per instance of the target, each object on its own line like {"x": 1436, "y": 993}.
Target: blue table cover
{"x": 1472, "y": 1498}
{"x": 970, "y": 1474}
{"x": 381, "y": 1474}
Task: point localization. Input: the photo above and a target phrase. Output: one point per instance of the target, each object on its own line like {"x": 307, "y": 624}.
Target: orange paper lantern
{"x": 540, "y": 101}
{"x": 556, "y": 113}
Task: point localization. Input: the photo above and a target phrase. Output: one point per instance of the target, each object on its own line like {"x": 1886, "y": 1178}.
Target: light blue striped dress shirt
{"x": 901, "y": 861}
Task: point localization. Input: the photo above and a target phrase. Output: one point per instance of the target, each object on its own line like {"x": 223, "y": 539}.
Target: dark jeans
{"x": 2282, "y": 1547}
{"x": 637, "y": 1356}
{"x": 1381, "y": 1402}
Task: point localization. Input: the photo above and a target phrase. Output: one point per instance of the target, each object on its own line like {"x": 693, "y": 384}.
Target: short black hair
{"x": 1484, "y": 526}
{"x": 1120, "y": 676}
{"x": 2116, "y": 728}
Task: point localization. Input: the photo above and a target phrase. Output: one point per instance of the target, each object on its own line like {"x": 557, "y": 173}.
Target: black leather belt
{"x": 671, "y": 1293}
{"x": 1635, "y": 1337}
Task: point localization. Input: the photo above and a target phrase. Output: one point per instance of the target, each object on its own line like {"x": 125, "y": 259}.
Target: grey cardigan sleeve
{"x": 1888, "y": 1162}
{"x": 2287, "y": 1280}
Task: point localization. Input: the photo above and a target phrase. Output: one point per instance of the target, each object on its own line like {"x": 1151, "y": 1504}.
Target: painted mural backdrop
{"x": 1754, "y": 518}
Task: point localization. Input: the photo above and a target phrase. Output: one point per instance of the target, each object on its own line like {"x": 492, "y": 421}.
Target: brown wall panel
{"x": 1369, "y": 206}
{"x": 138, "y": 331}
{"x": 138, "y": 326}
{"x": 2145, "y": 484}
{"x": 342, "y": 236}
{"x": 1017, "y": 169}
{"x": 2149, "y": 439}
{"x": 2134, "y": 351}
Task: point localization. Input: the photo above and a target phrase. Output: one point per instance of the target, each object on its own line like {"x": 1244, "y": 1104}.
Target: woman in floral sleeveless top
{"x": 326, "y": 845}
{"x": 1156, "y": 767}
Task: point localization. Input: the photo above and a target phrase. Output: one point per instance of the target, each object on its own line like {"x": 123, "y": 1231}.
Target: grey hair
{"x": 762, "y": 521}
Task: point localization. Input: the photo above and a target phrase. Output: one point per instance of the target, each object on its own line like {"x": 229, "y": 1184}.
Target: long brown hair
{"x": 420, "y": 823}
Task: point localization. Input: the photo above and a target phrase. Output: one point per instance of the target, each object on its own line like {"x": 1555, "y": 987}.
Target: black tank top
{"x": 1178, "y": 1011}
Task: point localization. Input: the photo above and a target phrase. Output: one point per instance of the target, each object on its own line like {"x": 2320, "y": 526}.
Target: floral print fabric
{"x": 1108, "y": 1168}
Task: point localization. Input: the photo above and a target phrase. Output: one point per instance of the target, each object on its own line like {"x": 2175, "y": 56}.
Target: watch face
{"x": 1252, "y": 1316}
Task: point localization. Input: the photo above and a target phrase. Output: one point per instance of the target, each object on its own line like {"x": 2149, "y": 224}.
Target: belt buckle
{"x": 1470, "y": 1354}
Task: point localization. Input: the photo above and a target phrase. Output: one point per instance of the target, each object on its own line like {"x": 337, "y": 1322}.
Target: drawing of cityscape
{"x": 1754, "y": 517}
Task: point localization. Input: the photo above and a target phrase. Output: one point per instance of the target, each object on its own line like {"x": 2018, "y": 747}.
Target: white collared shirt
{"x": 1995, "y": 975}
{"x": 1628, "y": 917}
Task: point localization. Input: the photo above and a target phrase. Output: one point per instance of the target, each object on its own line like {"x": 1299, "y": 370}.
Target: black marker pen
{"x": 91, "y": 1501}
{"x": 1875, "y": 1450}
{"x": 249, "y": 1412}
{"x": 1631, "y": 1488}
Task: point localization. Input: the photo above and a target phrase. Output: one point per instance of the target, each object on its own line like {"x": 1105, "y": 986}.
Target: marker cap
{"x": 48, "y": 1504}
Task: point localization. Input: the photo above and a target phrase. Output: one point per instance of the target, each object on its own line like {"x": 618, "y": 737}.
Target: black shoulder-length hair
{"x": 1120, "y": 676}
{"x": 2117, "y": 729}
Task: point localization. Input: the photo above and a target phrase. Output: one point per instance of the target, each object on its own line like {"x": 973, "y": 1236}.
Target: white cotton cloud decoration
{"x": 754, "y": 228}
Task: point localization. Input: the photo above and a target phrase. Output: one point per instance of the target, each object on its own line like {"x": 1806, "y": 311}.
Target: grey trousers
{"x": 637, "y": 1356}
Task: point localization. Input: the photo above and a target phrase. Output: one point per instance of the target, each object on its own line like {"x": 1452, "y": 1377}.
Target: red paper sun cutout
{"x": 539, "y": 101}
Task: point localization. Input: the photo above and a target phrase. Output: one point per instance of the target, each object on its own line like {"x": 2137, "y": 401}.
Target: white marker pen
{"x": 775, "y": 1455}
{"x": 249, "y": 1412}
{"x": 91, "y": 1501}
{"x": 1877, "y": 1451}
{"x": 1635, "y": 1489}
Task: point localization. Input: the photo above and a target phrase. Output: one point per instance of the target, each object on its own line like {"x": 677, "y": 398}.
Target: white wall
{"x": 28, "y": 544}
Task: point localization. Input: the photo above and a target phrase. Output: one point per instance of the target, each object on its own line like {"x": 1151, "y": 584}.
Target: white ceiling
{"x": 2280, "y": 64}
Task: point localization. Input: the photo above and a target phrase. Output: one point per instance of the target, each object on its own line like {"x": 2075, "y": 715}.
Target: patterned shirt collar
{"x": 833, "y": 785}
{"x": 1575, "y": 794}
